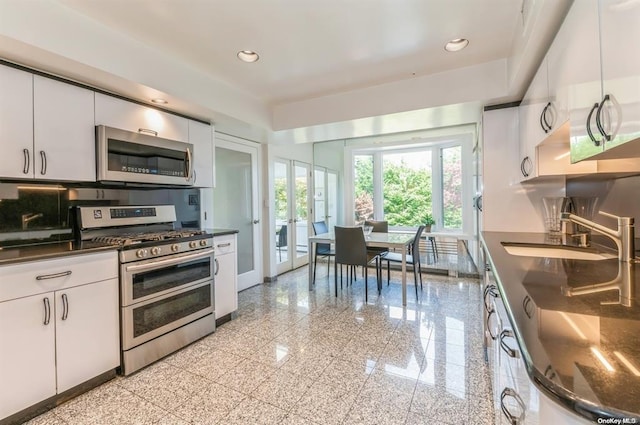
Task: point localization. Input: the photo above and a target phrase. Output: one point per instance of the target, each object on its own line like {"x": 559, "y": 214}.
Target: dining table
{"x": 392, "y": 240}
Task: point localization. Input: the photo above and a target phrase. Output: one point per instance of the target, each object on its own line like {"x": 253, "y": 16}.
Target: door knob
{"x": 256, "y": 221}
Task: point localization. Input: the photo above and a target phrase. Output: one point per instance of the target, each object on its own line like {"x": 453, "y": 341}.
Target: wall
{"x": 616, "y": 196}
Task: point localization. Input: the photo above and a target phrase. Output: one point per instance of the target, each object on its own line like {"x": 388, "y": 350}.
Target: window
{"x": 363, "y": 186}
{"x": 407, "y": 186}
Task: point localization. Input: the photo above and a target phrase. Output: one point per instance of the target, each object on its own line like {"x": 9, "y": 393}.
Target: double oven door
{"x": 160, "y": 295}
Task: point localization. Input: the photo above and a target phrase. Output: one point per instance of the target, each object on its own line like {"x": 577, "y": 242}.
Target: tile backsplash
{"x": 620, "y": 197}
{"x": 39, "y": 213}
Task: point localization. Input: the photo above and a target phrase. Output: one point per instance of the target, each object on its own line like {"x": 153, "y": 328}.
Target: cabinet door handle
{"x": 526, "y": 304}
{"x": 43, "y": 166}
{"x": 549, "y": 373}
{"x": 195, "y": 176}
{"x": 491, "y": 335}
{"x": 489, "y": 290}
{"x": 543, "y": 119}
{"x": 601, "y": 129}
{"x": 27, "y": 161}
{"x": 187, "y": 164}
{"x": 589, "y": 132}
{"x": 147, "y": 130}
{"x": 47, "y": 311}
{"x": 510, "y": 351}
{"x": 65, "y": 307}
{"x": 256, "y": 221}
{"x": 53, "y": 276}
{"x": 526, "y": 161}
{"x": 224, "y": 245}
{"x": 217, "y": 267}
{"x": 513, "y": 419}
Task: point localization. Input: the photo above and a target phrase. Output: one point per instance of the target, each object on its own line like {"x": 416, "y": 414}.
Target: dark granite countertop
{"x": 49, "y": 250}
{"x": 559, "y": 335}
{"x": 221, "y": 232}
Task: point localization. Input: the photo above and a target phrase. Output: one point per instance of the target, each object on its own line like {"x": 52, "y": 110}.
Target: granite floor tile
{"x": 214, "y": 364}
{"x": 246, "y": 376}
{"x": 282, "y": 389}
{"x": 293, "y": 419}
{"x": 210, "y": 405}
{"x": 253, "y": 411}
{"x": 371, "y": 410}
{"x": 346, "y": 375}
{"x": 448, "y": 406}
{"x": 325, "y": 404}
{"x": 48, "y": 418}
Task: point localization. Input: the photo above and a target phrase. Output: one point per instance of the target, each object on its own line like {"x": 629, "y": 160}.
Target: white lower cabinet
{"x": 226, "y": 275}
{"x": 27, "y": 352}
{"x": 59, "y": 326}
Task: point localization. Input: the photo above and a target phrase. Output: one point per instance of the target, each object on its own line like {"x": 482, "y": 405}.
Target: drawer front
{"x": 35, "y": 277}
{"x": 224, "y": 244}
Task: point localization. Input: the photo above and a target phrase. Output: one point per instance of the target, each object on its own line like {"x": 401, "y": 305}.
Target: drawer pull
{"x": 489, "y": 290}
{"x": 513, "y": 419}
{"x": 492, "y": 336}
{"x": 224, "y": 245}
{"x": 47, "y": 311}
{"x": 510, "y": 351}
{"x": 65, "y": 307}
{"x": 148, "y": 131}
{"x": 53, "y": 276}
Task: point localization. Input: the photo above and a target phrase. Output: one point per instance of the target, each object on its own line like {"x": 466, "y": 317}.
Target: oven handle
{"x": 168, "y": 262}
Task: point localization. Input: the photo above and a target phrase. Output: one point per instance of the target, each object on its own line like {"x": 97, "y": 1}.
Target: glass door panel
{"x": 302, "y": 174}
{"x": 332, "y": 199}
{"x": 319, "y": 194}
{"x": 236, "y": 205}
{"x": 281, "y": 238}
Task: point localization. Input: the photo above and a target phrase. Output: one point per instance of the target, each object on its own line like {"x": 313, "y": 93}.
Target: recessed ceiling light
{"x": 159, "y": 101}
{"x": 248, "y": 56}
{"x": 456, "y": 44}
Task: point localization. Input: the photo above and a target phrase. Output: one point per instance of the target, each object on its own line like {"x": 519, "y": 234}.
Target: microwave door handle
{"x": 168, "y": 262}
{"x": 188, "y": 165}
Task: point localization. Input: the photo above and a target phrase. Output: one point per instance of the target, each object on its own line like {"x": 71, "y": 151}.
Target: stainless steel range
{"x": 166, "y": 278}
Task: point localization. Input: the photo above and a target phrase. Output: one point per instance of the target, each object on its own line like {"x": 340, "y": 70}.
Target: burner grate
{"x": 131, "y": 239}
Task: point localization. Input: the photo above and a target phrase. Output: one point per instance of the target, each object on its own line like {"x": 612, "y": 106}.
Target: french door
{"x": 292, "y": 214}
{"x": 236, "y": 204}
{"x": 325, "y": 196}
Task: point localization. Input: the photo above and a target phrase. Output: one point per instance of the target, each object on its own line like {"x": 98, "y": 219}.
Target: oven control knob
{"x": 155, "y": 250}
{"x": 175, "y": 247}
{"x": 193, "y": 244}
{"x": 141, "y": 253}
{"x": 203, "y": 242}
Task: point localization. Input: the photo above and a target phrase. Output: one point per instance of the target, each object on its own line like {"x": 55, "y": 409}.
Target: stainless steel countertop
{"x": 560, "y": 334}
{"x": 49, "y": 250}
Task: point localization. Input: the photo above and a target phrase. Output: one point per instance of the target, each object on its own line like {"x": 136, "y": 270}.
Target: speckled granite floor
{"x": 299, "y": 357}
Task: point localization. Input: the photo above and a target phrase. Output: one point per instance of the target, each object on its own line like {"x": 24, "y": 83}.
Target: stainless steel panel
{"x": 127, "y": 271}
{"x": 129, "y": 340}
{"x": 147, "y": 353}
{"x": 96, "y": 217}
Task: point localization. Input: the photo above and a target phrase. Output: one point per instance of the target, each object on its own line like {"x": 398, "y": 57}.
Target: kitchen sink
{"x": 555, "y": 251}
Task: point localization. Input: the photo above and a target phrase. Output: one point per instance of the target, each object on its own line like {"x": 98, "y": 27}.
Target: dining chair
{"x": 351, "y": 250}
{"x": 322, "y": 249}
{"x": 381, "y": 227}
{"x": 412, "y": 258}
{"x": 282, "y": 240}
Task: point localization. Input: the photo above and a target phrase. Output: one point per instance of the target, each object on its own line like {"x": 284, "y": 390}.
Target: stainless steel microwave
{"x": 125, "y": 156}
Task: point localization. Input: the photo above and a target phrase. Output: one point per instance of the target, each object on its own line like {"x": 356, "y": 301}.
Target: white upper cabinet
{"x": 575, "y": 77}
{"x": 534, "y": 119}
{"x": 620, "y": 35}
{"x": 114, "y": 112}
{"x": 16, "y": 123}
{"x": 63, "y": 131}
{"x": 201, "y": 137}
{"x": 46, "y": 128}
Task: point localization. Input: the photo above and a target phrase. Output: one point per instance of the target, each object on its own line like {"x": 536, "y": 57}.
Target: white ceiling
{"x": 313, "y": 48}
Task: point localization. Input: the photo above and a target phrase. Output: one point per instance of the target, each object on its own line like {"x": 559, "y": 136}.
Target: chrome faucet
{"x": 623, "y": 236}
{"x": 624, "y": 283}
{"x": 29, "y": 217}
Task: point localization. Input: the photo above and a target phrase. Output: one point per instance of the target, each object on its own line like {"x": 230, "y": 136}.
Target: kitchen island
{"x": 578, "y": 343}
